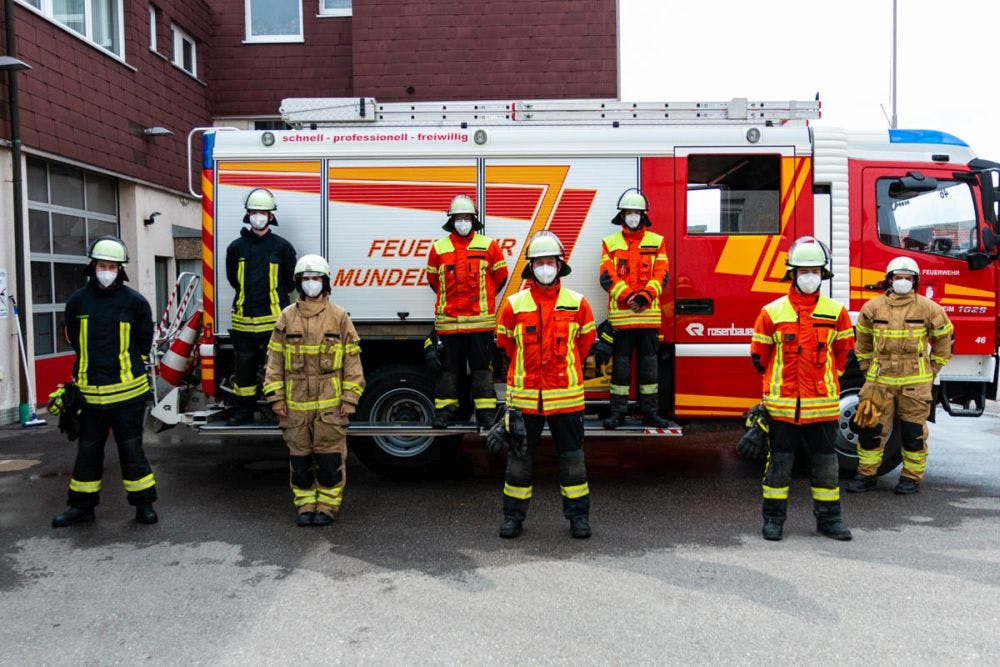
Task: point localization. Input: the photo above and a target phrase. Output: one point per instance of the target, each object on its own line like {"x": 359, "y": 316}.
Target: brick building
{"x": 116, "y": 86}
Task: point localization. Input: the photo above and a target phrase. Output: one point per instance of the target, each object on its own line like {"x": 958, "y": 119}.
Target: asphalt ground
{"x": 413, "y": 572}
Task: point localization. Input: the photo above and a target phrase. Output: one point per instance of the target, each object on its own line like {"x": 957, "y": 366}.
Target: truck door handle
{"x": 694, "y": 306}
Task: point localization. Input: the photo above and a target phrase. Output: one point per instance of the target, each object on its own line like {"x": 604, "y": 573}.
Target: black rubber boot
{"x": 654, "y": 420}
{"x": 305, "y": 519}
{"x": 579, "y": 527}
{"x": 906, "y": 486}
{"x": 144, "y": 513}
{"x": 510, "y": 528}
{"x": 240, "y": 417}
{"x": 321, "y": 519}
{"x": 72, "y": 516}
{"x": 774, "y": 513}
{"x": 615, "y": 420}
{"x": 829, "y": 521}
{"x": 861, "y": 484}
{"x": 443, "y": 417}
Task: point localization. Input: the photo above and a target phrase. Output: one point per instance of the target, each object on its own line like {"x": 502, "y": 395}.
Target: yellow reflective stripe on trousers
{"x": 618, "y": 390}
{"x": 573, "y": 492}
{"x": 84, "y": 487}
{"x": 775, "y": 492}
{"x": 485, "y": 403}
{"x": 869, "y": 457}
{"x": 141, "y": 484}
{"x": 915, "y": 461}
{"x": 303, "y": 496}
{"x": 244, "y": 392}
{"x": 825, "y": 495}
{"x": 124, "y": 332}
{"x": 329, "y": 496}
{"x": 648, "y": 388}
{"x": 519, "y": 492}
{"x": 81, "y": 373}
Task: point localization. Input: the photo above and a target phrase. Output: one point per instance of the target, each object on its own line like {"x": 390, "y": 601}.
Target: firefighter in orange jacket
{"x": 634, "y": 270}
{"x": 800, "y": 345}
{"x": 466, "y": 270}
{"x": 546, "y": 331}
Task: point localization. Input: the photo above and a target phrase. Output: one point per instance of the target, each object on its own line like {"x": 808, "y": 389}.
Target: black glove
{"x": 755, "y": 443}
{"x": 604, "y": 346}
{"x": 434, "y": 353}
{"x": 69, "y": 415}
{"x": 517, "y": 432}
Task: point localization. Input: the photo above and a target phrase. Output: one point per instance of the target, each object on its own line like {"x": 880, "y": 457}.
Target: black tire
{"x": 402, "y": 394}
{"x": 847, "y": 434}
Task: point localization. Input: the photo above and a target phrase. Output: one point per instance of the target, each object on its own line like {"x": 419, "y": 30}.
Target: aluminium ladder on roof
{"x": 305, "y": 112}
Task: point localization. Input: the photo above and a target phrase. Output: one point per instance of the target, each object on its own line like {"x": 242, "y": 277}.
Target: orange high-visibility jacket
{"x": 466, "y": 273}
{"x": 633, "y": 261}
{"x": 547, "y": 334}
{"x": 802, "y": 342}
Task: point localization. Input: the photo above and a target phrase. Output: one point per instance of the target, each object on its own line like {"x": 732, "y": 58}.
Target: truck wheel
{"x": 400, "y": 394}
{"x": 847, "y": 435}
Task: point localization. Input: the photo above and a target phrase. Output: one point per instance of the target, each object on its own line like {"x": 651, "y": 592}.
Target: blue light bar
{"x": 924, "y": 137}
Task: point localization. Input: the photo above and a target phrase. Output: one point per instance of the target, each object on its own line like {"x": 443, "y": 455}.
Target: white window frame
{"x": 152, "y": 28}
{"x": 48, "y": 12}
{"x": 177, "y": 55}
{"x": 322, "y": 12}
{"x": 248, "y": 38}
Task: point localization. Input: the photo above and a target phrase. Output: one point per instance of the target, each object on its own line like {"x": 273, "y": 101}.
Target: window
{"x": 927, "y": 215}
{"x": 67, "y": 209}
{"x": 271, "y": 125}
{"x": 185, "y": 51}
{"x": 733, "y": 194}
{"x": 334, "y": 7}
{"x": 97, "y": 21}
{"x": 273, "y": 20}
{"x": 152, "y": 28}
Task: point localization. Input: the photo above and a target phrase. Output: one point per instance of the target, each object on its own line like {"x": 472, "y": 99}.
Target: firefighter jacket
{"x": 111, "y": 331}
{"x": 466, "y": 273}
{"x": 547, "y": 334}
{"x": 261, "y": 270}
{"x": 313, "y": 358}
{"x": 634, "y": 262}
{"x": 902, "y": 339}
{"x": 801, "y": 343}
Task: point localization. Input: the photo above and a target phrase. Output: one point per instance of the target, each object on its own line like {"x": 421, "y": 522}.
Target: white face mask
{"x": 258, "y": 220}
{"x": 463, "y": 227}
{"x": 312, "y": 288}
{"x": 808, "y": 282}
{"x": 106, "y": 278}
{"x": 545, "y": 273}
{"x": 902, "y": 286}
{"x": 632, "y": 220}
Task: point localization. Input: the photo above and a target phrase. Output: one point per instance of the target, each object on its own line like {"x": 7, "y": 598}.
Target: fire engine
{"x": 730, "y": 185}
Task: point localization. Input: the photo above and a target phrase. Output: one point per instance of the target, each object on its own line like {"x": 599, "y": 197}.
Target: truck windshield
{"x": 940, "y": 221}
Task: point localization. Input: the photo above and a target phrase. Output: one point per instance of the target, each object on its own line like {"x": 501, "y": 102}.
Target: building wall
{"x": 256, "y": 77}
{"x": 454, "y": 49}
{"x": 80, "y": 103}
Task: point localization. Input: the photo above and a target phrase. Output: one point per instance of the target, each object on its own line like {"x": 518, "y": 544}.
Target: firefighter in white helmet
{"x": 466, "y": 270}
{"x": 904, "y": 339}
{"x": 313, "y": 382}
{"x": 110, "y": 327}
{"x": 800, "y": 345}
{"x": 546, "y": 331}
{"x": 259, "y": 266}
{"x": 634, "y": 270}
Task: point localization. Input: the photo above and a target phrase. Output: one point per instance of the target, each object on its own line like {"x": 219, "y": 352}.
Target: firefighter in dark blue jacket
{"x": 110, "y": 326}
{"x": 260, "y": 265}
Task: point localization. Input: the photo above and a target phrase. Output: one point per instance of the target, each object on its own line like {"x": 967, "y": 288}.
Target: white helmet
{"x": 260, "y": 199}
{"x": 903, "y": 265}
{"x": 808, "y": 252}
{"x": 462, "y": 205}
{"x": 312, "y": 264}
{"x": 544, "y": 243}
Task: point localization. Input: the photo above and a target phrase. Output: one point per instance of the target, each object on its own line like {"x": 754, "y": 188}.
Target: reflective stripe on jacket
{"x": 466, "y": 273}
{"x": 261, "y": 270}
{"x": 314, "y": 358}
{"x": 802, "y": 342}
{"x": 111, "y": 331}
{"x": 633, "y": 261}
{"x": 547, "y": 334}
{"x": 903, "y": 339}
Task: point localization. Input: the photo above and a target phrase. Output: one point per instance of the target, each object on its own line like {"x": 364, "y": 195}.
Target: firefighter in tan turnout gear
{"x": 903, "y": 340}
{"x": 313, "y": 382}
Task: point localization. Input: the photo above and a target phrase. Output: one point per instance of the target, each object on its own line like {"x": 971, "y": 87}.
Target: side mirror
{"x": 990, "y": 240}
{"x": 911, "y": 185}
{"x": 978, "y": 260}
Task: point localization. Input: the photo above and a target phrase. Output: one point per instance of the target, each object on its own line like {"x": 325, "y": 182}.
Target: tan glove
{"x": 868, "y": 414}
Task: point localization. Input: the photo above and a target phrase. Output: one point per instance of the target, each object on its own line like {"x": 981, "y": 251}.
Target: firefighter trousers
{"x": 125, "y": 421}
{"x": 476, "y": 351}
{"x": 645, "y": 343}
{"x": 911, "y": 404}
{"x": 249, "y": 356}
{"x": 819, "y": 439}
{"x": 317, "y": 449}
{"x": 567, "y": 433}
